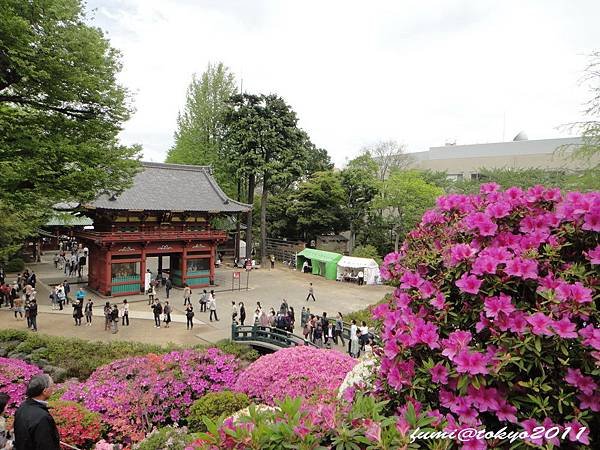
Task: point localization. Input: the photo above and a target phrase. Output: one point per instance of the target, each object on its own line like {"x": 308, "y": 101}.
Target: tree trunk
{"x": 397, "y": 242}
{"x": 263, "y": 221}
{"x": 251, "y": 183}
{"x": 352, "y": 237}
{"x": 238, "y": 224}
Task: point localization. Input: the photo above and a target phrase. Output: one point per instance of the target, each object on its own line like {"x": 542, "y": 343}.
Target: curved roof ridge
{"x": 222, "y": 194}
{"x": 190, "y": 167}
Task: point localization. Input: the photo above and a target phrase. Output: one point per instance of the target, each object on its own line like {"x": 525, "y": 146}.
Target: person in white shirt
{"x": 353, "y": 345}
{"x": 212, "y": 306}
{"x": 125, "y": 313}
{"x": 361, "y": 278}
{"x": 364, "y": 334}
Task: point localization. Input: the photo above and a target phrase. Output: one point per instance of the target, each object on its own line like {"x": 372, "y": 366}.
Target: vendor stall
{"x": 320, "y": 262}
{"x": 350, "y": 267}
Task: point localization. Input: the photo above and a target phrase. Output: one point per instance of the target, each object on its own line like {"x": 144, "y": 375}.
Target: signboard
{"x": 236, "y": 275}
{"x": 248, "y": 265}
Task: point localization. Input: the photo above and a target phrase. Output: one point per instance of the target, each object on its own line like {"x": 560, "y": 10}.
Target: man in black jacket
{"x": 35, "y": 428}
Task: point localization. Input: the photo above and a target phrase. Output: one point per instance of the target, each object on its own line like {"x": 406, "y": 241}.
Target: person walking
{"x": 234, "y": 311}
{"x": 272, "y": 259}
{"x": 353, "y": 345}
{"x": 311, "y": 293}
{"x": 212, "y": 306}
{"x": 80, "y": 295}
{"x": 77, "y": 312}
{"x": 114, "y": 319}
{"x": 33, "y": 312}
{"x": 189, "y": 315}
{"x": 203, "y": 300}
{"x": 361, "y": 278}
{"x": 88, "y": 312}
{"x": 107, "y": 313}
{"x": 60, "y": 295}
{"x": 187, "y": 295}
{"x": 157, "y": 310}
{"x": 54, "y": 298}
{"x": 303, "y": 317}
{"x": 19, "y": 307}
{"x": 339, "y": 329}
{"x": 34, "y": 426}
{"x": 125, "y": 313}
{"x": 292, "y": 316}
{"x": 318, "y": 335}
{"x": 242, "y": 313}
{"x": 167, "y": 314}
{"x": 151, "y": 293}
{"x": 329, "y": 334}
{"x": 168, "y": 286}
{"x": 67, "y": 289}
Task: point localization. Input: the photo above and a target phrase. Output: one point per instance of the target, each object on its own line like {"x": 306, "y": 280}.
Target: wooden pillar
{"x": 143, "y": 269}
{"x": 108, "y": 274}
{"x": 160, "y": 267}
{"x": 184, "y": 265}
{"x": 211, "y": 264}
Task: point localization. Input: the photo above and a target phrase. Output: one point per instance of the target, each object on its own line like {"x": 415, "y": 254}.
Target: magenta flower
{"x": 564, "y": 328}
{"x": 439, "y": 374}
{"x": 582, "y": 382}
{"x": 539, "y": 324}
{"x": 592, "y": 221}
{"x": 500, "y": 304}
{"x": 594, "y": 255}
{"x": 471, "y": 362}
{"x": 484, "y": 264}
{"x": 469, "y": 284}
{"x": 498, "y": 210}
{"x": 523, "y": 268}
{"x": 439, "y": 301}
{"x": 507, "y": 412}
{"x": 461, "y": 252}
{"x": 575, "y": 427}
{"x": 372, "y": 430}
{"x": 302, "y": 431}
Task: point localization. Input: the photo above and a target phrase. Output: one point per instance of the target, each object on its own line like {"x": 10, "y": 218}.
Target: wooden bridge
{"x": 267, "y": 337}
{"x": 275, "y": 338}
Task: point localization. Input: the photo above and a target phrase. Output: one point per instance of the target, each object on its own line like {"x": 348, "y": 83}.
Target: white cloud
{"x": 357, "y": 72}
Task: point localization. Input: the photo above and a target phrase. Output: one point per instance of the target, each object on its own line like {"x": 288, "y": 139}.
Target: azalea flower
{"x": 472, "y": 363}
{"x": 439, "y": 374}
{"x": 564, "y": 328}
{"x": 469, "y": 284}
{"x": 582, "y": 382}
{"x": 539, "y": 324}
{"x": 501, "y": 304}
{"x": 575, "y": 427}
{"x": 593, "y": 255}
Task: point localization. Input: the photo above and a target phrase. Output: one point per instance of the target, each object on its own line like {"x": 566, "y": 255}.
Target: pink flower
{"x": 469, "y": 284}
{"x": 594, "y": 255}
{"x": 575, "y": 427}
{"x": 539, "y": 324}
{"x": 591, "y": 222}
{"x": 439, "y": 301}
{"x": 584, "y": 383}
{"x": 524, "y": 268}
{"x": 488, "y": 188}
{"x": 401, "y": 374}
{"x": 426, "y": 289}
{"x": 410, "y": 279}
{"x": 456, "y": 341}
{"x": 372, "y": 430}
{"x": 471, "y": 362}
{"x": 461, "y": 252}
{"x": 498, "y": 210}
{"x": 591, "y": 336}
{"x": 484, "y": 264}
{"x": 506, "y": 412}
{"x": 564, "y": 328}
{"x": 517, "y": 322}
{"x": 499, "y": 304}
{"x": 301, "y": 431}
{"x": 589, "y": 402}
{"x": 439, "y": 374}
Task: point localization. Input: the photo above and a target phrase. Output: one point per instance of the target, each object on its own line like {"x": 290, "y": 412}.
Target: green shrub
{"x": 366, "y": 314}
{"x": 171, "y": 438}
{"x": 240, "y": 351}
{"x": 15, "y": 265}
{"x": 215, "y": 405}
{"x": 367, "y": 251}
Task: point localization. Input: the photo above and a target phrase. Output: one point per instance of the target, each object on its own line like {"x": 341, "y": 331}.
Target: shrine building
{"x": 167, "y": 211}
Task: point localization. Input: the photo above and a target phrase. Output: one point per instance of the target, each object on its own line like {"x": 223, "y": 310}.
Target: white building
{"x": 465, "y": 161}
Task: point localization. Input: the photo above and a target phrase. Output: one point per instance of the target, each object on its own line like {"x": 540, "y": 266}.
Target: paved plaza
{"x": 267, "y": 286}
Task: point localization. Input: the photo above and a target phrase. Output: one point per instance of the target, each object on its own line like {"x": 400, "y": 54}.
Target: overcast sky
{"x": 419, "y": 72}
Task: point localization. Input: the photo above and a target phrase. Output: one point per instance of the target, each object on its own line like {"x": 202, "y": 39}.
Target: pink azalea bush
{"x": 14, "y": 377}
{"x": 135, "y": 394}
{"x": 494, "y": 321}
{"x": 296, "y": 371}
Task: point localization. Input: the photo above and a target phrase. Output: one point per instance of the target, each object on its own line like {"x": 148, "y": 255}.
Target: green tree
{"x": 200, "y": 125}
{"x": 507, "y": 177}
{"x": 61, "y": 110}
{"x": 405, "y": 197}
{"x": 367, "y": 251}
{"x": 389, "y": 156}
{"x": 359, "y": 180}
{"x": 318, "y": 205}
{"x": 266, "y": 145}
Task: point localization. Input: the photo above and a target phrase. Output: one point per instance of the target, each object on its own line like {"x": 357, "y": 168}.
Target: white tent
{"x": 354, "y": 265}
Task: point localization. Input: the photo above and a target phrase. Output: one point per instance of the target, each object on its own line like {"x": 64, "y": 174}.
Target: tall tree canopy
{"x": 61, "y": 110}
{"x": 200, "y": 125}
{"x": 359, "y": 180}
{"x": 265, "y": 144}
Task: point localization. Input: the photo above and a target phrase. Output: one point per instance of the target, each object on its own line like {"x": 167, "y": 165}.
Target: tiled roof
{"x": 171, "y": 187}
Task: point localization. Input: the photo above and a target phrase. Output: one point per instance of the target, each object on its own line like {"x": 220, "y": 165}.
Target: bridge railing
{"x": 268, "y": 335}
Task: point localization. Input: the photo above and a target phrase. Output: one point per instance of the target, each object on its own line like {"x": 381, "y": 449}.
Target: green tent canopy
{"x": 323, "y": 263}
